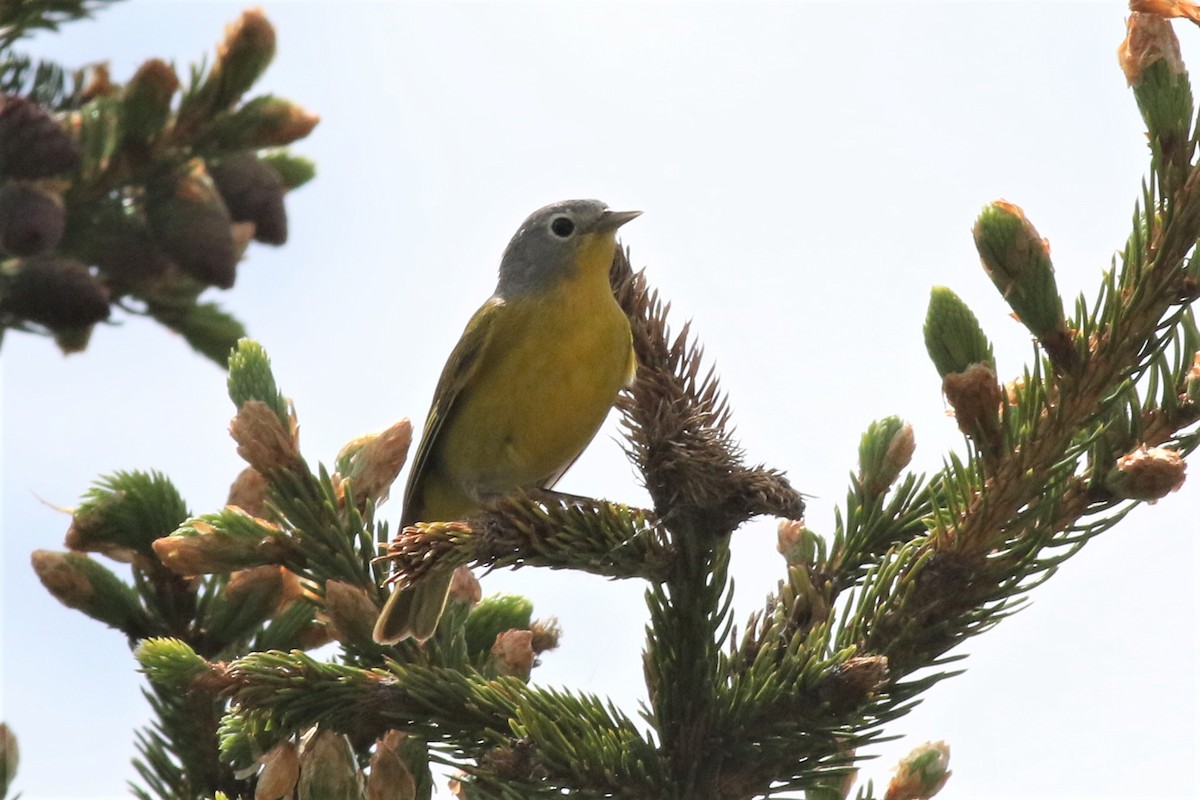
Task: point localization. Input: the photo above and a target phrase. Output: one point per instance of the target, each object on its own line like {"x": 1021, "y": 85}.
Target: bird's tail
{"x": 414, "y": 610}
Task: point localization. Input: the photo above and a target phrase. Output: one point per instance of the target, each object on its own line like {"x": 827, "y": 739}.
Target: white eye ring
{"x": 561, "y": 226}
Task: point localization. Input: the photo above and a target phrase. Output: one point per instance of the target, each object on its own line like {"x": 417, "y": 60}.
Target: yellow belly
{"x": 537, "y": 399}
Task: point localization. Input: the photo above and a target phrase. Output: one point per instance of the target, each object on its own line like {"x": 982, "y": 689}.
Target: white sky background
{"x": 808, "y": 172}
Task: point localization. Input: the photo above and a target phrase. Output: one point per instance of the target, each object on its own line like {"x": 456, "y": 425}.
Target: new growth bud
{"x": 1150, "y": 59}
{"x": 953, "y": 337}
{"x": 84, "y": 584}
{"x": 147, "y": 100}
{"x": 1147, "y": 474}
{"x": 921, "y": 774}
{"x": 512, "y": 654}
{"x": 242, "y": 57}
{"x": 372, "y": 462}
{"x": 975, "y": 397}
{"x": 491, "y": 617}
{"x": 262, "y": 440}
{"x": 249, "y": 492}
{"x": 1017, "y": 259}
{"x": 280, "y": 772}
{"x": 885, "y": 450}
{"x": 797, "y": 544}
{"x": 328, "y": 768}
{"x": 390, "y": 778}
{"x": 350, "y": 612}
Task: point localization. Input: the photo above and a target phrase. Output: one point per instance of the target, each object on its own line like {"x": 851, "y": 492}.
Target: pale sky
{"x": 807, "y": 173}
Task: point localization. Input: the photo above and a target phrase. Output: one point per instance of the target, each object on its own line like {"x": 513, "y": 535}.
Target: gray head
{"x": 555, "y": 242}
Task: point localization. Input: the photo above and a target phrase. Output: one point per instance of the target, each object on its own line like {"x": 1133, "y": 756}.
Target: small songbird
{"x": 525, "y": 389}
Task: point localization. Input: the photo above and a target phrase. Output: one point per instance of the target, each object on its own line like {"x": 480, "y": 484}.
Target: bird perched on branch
{"x": 525, "y": 389}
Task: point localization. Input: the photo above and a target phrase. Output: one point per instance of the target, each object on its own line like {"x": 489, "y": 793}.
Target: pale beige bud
{"x": 280, "y": 772}
{"x": 350, "y": 612}
{"x": 1150, "y": 38}
{"x": 390, "y": 777}
{"x": 513, "y": 654}
{"x": 328, "y": 768}
{"x": 1147, "y": 473}
{"x": 262, "y": 440}
{"x": 249, "y": 492}
{"x": 795, "y": 542}
{"x": 373, "y": 462}
{"x": 465, "y": 588}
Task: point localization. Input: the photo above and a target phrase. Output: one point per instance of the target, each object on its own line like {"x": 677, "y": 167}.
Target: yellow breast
{"x": 553, "y": 367}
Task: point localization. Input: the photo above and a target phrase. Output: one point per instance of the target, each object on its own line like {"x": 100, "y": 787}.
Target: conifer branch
{"x": 543, "y": 529}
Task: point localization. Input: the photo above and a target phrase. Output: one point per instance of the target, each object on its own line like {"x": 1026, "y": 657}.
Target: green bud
{"x": 190, "y": 222}
{"x": 1017, "y": 259}
{"x": 293, "y": 170}
{"x": 170, "y": 662}
{"x": 250, "y": 378}
{"x": 123, "y": 513}
{"x": 953, "y": 337}
{"x": 225, "y": 541}
{"x": 1154, "y": 68}
{"x": 494, "y": 615}
{"x": 251, "y": 597}
{"x": 79, "y": 582}
{"x": 146, "y": 103}
{"x": 10, "y": 756}
{"x": 328, "y": 769}
{"x": 921, "y": 774}
{"x": 247, "y": 49}
{"x": 266, "y": 121}
{"x": 886, "y": 449}
{"x": 31, "y": 221}
{"x": 798, "y": 544}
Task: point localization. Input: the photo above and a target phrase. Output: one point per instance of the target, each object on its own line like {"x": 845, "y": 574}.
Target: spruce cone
{"x": 56, "y": 292}
{"x": 32, "y": 144}
{"x": 189, "y": 221}
{"x": 253, "y": 192}
{"x": 31, "y": 221}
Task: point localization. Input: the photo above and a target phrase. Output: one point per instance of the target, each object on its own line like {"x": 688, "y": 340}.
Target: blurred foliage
{"x": 135, "y": 197}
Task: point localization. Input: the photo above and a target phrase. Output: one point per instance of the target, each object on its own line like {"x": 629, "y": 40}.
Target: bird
{"x": 532, "y": 378}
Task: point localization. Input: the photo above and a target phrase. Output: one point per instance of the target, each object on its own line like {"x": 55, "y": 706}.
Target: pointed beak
{"x": 611, "y": 220}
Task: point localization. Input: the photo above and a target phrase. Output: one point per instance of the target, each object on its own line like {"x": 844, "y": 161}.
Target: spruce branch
{"x": 544, "y": 529}
{"x": 19, "y": 18}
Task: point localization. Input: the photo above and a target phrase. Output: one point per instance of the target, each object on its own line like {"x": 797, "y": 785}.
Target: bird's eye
{"x": 562, "y": 226}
